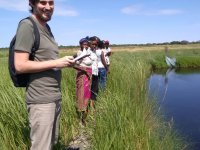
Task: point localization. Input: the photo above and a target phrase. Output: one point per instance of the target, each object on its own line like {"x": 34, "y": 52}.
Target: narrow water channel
{"x": 178, "y": 95}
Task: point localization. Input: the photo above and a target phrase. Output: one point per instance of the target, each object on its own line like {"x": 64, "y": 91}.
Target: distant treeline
{"x": 183, "y": 42}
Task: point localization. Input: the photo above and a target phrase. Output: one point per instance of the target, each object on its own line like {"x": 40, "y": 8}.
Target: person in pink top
{"x": 84, "y": 73}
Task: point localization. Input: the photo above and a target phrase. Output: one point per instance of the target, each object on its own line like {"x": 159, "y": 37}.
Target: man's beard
{"x": 44, "y": 16}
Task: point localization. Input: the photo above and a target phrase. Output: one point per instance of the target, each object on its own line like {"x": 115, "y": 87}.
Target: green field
{"x": 125, "y": 118}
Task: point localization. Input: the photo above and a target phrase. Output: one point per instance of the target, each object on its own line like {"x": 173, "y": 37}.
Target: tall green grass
{"x": 13, "y": 117}
{"x": 124, "y": 117}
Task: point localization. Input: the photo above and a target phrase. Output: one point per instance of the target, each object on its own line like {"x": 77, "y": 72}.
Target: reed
{"x": 125, "y": 118}
{"x": 13, "y": 123}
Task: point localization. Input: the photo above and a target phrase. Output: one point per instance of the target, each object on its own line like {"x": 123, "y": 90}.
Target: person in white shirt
{"x": 107, "y": 52}
{"x": 94, "y": 86}
{"x": 102, "y": 66}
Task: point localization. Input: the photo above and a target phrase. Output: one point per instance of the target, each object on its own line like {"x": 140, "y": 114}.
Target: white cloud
{"x": 169, "y": 12}
{"x": 131, "y": 10}
{"x": 61, "y": 9}
{"x": 140, "y": 10}
{"x": 15, "y": 5}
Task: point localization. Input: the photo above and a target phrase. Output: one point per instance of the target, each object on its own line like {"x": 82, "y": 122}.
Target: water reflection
{"x": 178, "y": 94}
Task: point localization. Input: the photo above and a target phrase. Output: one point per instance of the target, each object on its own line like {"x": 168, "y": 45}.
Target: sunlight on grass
{"x": 124, "y": 119}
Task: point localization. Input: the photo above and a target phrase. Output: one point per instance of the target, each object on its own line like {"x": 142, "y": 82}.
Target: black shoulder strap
{"x": 49, "y": 29}
{"x": 37, "y": 39}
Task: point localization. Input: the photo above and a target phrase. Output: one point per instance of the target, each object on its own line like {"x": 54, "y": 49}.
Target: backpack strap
{"x": 37, "y": 39}
{"x": 49, "y": 29}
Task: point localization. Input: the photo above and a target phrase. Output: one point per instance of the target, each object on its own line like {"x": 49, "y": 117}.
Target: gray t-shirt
{"x": 43, "y": 87}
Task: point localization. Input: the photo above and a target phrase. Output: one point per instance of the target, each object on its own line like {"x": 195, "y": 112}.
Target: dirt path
{"x": 79, "y": 143}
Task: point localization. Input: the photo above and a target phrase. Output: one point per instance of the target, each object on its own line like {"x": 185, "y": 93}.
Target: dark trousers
{"x": 94, "y": 87}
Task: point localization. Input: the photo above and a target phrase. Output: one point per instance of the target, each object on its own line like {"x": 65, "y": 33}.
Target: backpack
{"x": 21, "y": 80}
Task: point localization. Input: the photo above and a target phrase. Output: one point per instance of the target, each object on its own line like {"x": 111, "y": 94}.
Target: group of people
{"x": 43, "y": 91}
{"x": 92, "y": 72}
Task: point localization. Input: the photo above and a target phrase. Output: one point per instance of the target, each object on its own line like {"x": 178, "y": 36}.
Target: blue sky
{"x": 119, "y": 21}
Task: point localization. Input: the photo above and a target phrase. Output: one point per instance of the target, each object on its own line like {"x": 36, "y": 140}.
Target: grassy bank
{"x": 124, "y": 118}
{"x": 186, "y": 57}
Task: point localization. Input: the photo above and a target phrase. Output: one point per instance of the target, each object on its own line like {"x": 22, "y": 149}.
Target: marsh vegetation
{"x": 124, "y": 119}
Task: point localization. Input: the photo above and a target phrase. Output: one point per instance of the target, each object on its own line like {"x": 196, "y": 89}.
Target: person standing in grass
{"x": 102, "y": 66}
{"x": 107, "y": 52}
{"x": 43, "y": 92}
{"x": 83, "y": 82}
{"x": 93, "y": 42}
